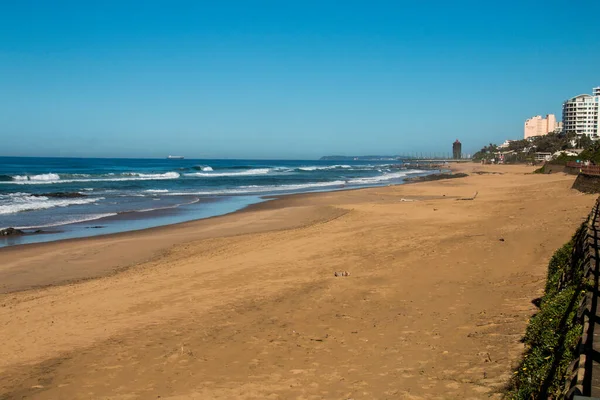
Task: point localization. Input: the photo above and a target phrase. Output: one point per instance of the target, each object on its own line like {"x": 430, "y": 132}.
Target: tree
{"x": 519, "y": 145}
{"x": 592, "y": 153}
{"x": 486, "y": 153}
{"x": 584, "y": 141}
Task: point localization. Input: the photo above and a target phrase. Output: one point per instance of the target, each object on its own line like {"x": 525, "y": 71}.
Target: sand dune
{"x": 247, "y": 305}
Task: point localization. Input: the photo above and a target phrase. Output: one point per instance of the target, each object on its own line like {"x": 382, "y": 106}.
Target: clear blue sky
{"x": 285, "y": 79}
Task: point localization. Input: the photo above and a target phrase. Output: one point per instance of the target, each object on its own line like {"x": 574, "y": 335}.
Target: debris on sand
{"x": 469, "y": 198}
{"x": 341, "y": 273}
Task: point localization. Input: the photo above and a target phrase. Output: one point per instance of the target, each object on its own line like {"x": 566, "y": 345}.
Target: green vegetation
{"x": 591, "y": 153}
{"x": 553, "y": 333}
{"x": 564, "y": 159}
{"x": 486, "y": 153}
{"x": 524, "y": 150}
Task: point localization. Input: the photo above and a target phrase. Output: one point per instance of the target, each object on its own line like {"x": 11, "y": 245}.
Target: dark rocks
{"x": 11, "y": 232}
{"x": 60, "y": 195}
{"x": 18, "y": 232}
{"x": 435, "y": 177}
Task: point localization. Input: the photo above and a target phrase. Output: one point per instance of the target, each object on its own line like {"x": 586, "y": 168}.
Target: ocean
{"x": 79, "y": 197}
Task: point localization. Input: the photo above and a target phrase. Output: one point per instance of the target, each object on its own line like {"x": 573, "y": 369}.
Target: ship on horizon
{"x": 175, "y": 157}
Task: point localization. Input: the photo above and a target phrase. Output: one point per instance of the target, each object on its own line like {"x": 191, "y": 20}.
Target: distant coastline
{"x": 359, "y": 158}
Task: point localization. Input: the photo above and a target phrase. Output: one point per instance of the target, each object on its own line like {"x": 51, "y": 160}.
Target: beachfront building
{"x": 580, "y": 114}
{"x": 538, "y": 126}
{"x": 543, "y": 156}
{"x": 456, "y": 150}
{"x": 505, "y": 145}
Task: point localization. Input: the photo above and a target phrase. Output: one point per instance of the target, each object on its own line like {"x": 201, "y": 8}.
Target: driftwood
{"x": 469, "y": 198}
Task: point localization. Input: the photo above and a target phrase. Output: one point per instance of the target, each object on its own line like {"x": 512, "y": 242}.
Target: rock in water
{"x": 61, "y": 195}
{"x": 11, "y": 232}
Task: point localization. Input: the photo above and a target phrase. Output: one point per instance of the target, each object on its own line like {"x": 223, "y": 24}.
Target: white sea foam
{"x": 166, "y": 175}
{"x": 167, "y": 207}
{"x": 300, "y": 186}
{"x": 258, "y": 171}
{"x": 156, "y": 191}
{"x": 20, "y": 202}
{"x": 262, "y": 189}
{"x": 54, "y": 178}
{"x": 37, "y": 178}
{"x": 329, "y": 167}
{"x": 382, "y": 178}
{"x": 74, "y": 220}
{"x": 207, "y": 169}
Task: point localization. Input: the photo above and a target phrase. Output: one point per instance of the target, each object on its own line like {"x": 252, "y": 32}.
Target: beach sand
{"x": 247, "y": 305}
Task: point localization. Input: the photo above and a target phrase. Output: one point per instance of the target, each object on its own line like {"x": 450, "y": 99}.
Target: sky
{"x": 285, "y": 79}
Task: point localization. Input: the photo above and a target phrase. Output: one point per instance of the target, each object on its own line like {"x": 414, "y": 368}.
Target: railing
{"x": 593, "y": 170}
{"x": 583, "y": 375}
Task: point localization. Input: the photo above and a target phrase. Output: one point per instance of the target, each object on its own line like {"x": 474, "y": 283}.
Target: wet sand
{"x": 247, "y": 306}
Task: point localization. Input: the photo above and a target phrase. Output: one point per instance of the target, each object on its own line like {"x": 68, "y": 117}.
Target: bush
{"x": 552, "y": 335}
{"x": 564, "y": 159}
{"x": 592, "y": 153}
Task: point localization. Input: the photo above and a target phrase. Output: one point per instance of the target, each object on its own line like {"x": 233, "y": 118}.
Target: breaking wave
{"x": 37, "y": 178}
{"x": 202, "y": 168}
{"x": 20, "y": 202}
{"x": 328, "y": 167}
{"x": 258, "y": 171}
{"x": 57, "y": 179}
{"x": 156, "y": 191}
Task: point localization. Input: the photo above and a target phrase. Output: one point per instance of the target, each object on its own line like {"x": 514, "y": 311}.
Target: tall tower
{"x": 457, "y": 150}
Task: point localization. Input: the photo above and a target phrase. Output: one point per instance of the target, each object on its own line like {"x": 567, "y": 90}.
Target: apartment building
{"x": 580, "y": 114}
{"x": 538, "y": 126}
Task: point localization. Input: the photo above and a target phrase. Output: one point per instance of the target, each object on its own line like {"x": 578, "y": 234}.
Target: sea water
{"x": 78, "y": 197}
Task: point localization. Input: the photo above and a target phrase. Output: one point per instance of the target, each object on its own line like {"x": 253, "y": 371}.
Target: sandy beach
{"x": 247, "y": 305}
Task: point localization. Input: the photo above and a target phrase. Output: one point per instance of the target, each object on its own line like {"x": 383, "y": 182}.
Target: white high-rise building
{"x": 580, "y": 114}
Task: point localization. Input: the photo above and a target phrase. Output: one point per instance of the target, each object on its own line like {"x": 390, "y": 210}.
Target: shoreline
{"x": 52, "y": 230}
{"x": 128, "y": 210}
{"x": 130, "y": 215}
{"x": 248, "y": 303}
{"x": 269, "y": 203}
